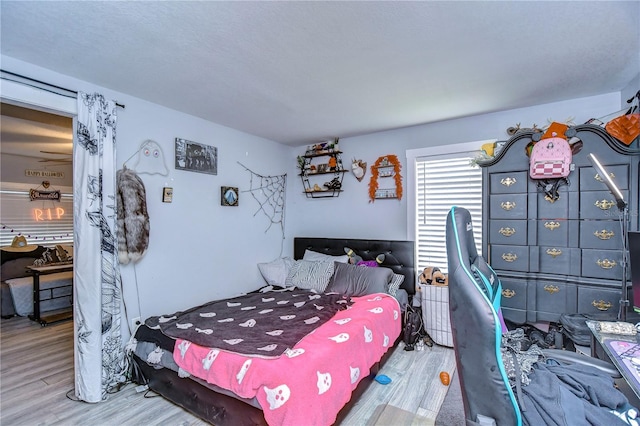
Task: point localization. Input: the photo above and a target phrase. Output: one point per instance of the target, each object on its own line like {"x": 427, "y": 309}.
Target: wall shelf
{"x": 316, "y": 167}
{"x": 387, "y": 170}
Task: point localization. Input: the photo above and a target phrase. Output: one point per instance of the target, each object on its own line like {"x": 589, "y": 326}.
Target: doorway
{"x": 36, "y": 202}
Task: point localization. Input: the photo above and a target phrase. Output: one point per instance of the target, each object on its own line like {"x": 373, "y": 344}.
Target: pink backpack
{"x": 550, "y": 158}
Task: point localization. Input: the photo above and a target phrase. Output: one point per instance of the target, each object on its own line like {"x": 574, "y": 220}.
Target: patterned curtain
{"x": 100, "y": 364}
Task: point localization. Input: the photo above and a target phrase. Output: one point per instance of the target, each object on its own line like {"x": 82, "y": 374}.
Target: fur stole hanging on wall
{"x": 133, "y": 220}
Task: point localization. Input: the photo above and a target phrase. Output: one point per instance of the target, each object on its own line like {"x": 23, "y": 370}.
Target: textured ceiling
{"x": 302, "y": 72}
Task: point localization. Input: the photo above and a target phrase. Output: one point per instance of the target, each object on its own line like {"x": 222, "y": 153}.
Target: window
{"x": 443, "y": 180}
{"x": 42, "y": 222}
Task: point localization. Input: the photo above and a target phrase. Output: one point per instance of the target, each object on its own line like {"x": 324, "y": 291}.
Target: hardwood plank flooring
{"x": 415, "y": 393}
{"x": 37, "y": 380}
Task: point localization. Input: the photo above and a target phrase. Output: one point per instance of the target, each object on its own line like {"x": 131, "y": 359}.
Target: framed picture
{"x": 196, "y": 157}
{"x": 167, "y": 194}
{"x": 229, "y": 196}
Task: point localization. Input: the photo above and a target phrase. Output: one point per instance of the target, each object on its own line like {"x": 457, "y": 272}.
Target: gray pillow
{"x": 355, "y": 280}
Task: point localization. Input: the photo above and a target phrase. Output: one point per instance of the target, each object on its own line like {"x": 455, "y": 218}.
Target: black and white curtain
{"x": 100, "y": 362}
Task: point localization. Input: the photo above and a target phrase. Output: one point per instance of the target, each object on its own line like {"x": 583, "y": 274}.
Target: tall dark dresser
{"x": 563, "y": 256}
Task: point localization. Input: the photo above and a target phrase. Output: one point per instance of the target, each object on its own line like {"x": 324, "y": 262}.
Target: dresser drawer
{"x": 510, "y": 258}
{"x": 606, "y": 264}
{"x": 554, "y": 298}
{"x": 508, "y": 206}
{"x": 599, "y": 205}
{"x": 547, "y": 209}
{"x": 514, "y": 294}
{"x": 508, "y": 232}
{"x": 508, "y": 183}
{"x": 516, "y": 316}
{"x": 553, "y": 232}
{"x": 590, "y": 181}
{"x": 600, "y": 234}
{"x": 514, "y": 301}
{"x": 558, "y": 260}
{"x": 598, "y": 300}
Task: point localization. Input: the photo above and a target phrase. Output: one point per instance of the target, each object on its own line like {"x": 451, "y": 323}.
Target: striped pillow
{"x": 395, "y": 283}
{"x": 311, "y": 275}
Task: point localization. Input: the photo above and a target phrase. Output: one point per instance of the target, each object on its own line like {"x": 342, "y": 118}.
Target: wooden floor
{"x": 36, "y": 386}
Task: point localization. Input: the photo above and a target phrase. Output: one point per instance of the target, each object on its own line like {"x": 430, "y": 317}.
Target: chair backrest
{"x": 476, "y": 321}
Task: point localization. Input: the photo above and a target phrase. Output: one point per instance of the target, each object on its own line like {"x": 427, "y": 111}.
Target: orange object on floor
{"x": 444, "y": 378}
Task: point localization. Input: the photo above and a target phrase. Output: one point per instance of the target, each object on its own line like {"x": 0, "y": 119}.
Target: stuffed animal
{"x": 432, "y": 275}
{"x": 354, "y": 259}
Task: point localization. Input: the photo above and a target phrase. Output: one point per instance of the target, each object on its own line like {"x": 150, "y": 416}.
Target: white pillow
{"x": 276, "y": 272}
{"x": 311, "y": 275}
{"x": 315, "y": 256}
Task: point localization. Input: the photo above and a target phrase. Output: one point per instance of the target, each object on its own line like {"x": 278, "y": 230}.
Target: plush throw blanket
{"x": 310, "y": 383}
{"x": 257, "y": 324}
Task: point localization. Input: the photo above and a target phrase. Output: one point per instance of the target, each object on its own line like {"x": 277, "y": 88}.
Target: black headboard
{"x": 399, "y": 255}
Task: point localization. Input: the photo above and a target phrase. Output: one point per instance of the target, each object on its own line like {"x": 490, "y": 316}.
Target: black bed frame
{"x": 219, "y": 409}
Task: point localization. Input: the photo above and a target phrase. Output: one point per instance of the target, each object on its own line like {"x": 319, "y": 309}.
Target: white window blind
{"x": 443, "y": 182}
{"x": 42, "y": 222}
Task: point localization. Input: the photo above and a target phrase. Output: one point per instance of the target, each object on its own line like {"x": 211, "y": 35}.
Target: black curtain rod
{"x": 44, "y": 83}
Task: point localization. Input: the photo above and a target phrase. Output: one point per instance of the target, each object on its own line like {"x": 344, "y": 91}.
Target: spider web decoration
{"x": 269, "y": 192}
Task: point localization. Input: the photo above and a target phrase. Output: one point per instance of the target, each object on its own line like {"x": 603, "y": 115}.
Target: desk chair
{"x": 476, "y": 321}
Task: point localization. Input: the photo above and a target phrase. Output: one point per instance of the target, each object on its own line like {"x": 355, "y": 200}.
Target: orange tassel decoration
{"x": 373, "y": 183}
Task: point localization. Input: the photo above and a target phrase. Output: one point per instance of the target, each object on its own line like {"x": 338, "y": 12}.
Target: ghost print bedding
{"x": 257, "y": 324}
{"x": 312, "y": 380}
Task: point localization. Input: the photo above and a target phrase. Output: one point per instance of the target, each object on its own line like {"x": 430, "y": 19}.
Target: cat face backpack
{"x": 550, "y": 159}
{"x": 551, "y": 156}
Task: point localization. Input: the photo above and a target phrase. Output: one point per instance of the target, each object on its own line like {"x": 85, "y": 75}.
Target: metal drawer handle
{"x": 606, "y": 264}
{"x": 507, "y": 205}
{"x": 508, "y": 293}
{"x": 604, "y": 204}
{"x": 551, "y": 200}
{"x": 604, "y": 234}
{"x": 507, "y": 232}
{"x": 508, "y": 181}
{"x": 552, "y": 225}
{"x": 601, "y": 305}
{"x": 551, "y": 289}
{"x": 554, "y": 252}
{"x": 509, "y": 257}
{"x": 599, "y": 178}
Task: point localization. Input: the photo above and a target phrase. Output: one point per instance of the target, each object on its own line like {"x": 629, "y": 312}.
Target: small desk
{"x": 36, "y": 271}
{"x": 612, "y": 344}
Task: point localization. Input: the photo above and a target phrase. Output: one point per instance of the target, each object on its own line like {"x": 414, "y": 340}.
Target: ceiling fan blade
{"x": 56, "y": 152}
{"x": 51, "y": 160}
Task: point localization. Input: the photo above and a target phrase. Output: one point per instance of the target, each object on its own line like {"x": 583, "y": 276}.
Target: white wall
{"x": 630, "y": 91}
{"x": 352, "y": 216}
{"x": 198, "y": 249}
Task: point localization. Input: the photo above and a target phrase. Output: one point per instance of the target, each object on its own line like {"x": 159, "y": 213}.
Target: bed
{"x": 16, "y": 287}
{"x": 236, "y": 387}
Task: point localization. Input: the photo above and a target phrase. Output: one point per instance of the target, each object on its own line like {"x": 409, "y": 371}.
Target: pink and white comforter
{"x": 310, "y": 383}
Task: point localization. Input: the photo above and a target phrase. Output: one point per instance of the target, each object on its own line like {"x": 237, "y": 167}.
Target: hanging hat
{"x": 19, "y": 243}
